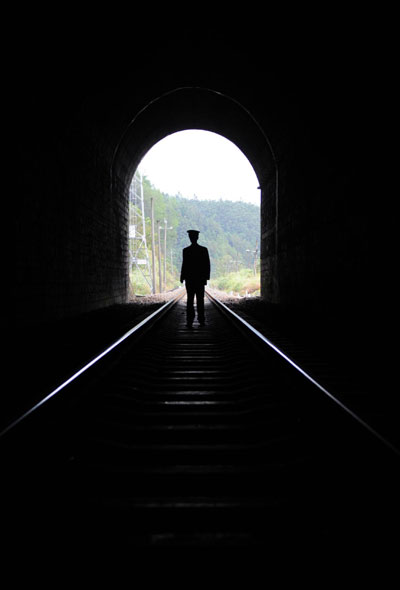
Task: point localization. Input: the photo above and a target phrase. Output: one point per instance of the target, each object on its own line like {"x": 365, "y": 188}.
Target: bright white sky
{"x": 202, "y": 164}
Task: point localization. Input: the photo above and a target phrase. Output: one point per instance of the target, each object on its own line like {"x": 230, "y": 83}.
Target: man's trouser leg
{"x": 200, "y": 303}
{"x": 190, "y": 292}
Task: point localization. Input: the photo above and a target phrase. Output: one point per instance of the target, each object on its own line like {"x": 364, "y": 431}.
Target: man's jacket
{"x": 195, "y": 264}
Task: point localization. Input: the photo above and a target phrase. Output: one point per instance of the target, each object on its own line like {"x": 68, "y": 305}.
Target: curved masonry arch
{"x": 202, "y": 108}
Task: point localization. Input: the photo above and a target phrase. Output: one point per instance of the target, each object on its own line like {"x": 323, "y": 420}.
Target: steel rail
{"x": 141, "y": 326}
{"x": 261, "y": 338}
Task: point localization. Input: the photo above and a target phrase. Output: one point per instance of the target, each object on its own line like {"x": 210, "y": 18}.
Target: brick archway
{"x": 201, "y": 108}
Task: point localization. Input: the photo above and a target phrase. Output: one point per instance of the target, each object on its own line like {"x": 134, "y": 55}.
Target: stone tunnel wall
{"x": 71, "y": 240}
{"x": 71, "y": 251}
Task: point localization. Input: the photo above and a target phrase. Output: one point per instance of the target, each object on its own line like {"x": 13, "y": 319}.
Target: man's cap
{"x": 193, "y": 231}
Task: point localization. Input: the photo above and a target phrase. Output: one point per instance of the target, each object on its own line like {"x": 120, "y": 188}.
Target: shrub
{"x": 241, "y": 282}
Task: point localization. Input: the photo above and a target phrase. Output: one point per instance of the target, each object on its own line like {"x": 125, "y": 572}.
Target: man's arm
{"x": 182, "y": 278}
{"x": 208, "y": 265}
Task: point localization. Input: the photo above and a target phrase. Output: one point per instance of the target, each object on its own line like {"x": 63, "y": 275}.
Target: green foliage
{"x": 141, "y": 285}
{"x": 242, "y": 282}
{"x": 230, "y": 230}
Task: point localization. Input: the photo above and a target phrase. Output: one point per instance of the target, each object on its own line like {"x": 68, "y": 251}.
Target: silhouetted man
{"x": 195, "y": 272}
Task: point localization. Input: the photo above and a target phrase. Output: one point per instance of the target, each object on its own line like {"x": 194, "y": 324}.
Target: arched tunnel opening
{"x": 204, "y": 109}
{"x": 194, "y": 178}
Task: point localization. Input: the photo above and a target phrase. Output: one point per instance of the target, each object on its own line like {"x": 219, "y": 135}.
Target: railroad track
{"x": 208, "y": 437}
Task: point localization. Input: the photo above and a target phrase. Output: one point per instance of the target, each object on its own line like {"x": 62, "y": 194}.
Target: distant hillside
{"x": 230, "y": 230}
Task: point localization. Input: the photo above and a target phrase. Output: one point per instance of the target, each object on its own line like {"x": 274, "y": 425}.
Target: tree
{"x": 229, "y": 229}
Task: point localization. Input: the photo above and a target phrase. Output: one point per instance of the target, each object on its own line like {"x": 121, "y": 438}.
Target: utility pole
{"x": 165, "y": 254}
{"x": 255, "y": 259}
{"x": 138, "y": 253}
{"x": 255, "y": 252}
{"x": 159, "y": 255}
{"x": 153, "y": 249}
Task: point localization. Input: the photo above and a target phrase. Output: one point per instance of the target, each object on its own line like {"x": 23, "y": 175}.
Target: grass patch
{"x": 242, "y": 282}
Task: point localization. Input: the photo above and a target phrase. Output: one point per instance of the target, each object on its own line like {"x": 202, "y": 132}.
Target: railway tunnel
{"x": 82, "y": 137}
{"x": 299, "y": 116}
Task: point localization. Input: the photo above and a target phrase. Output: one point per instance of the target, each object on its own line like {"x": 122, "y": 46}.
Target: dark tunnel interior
{"x": 306, "y": 109}
{"x": 312, "y": 107}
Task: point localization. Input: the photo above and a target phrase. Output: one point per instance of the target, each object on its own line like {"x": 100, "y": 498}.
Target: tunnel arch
{"x": 194, "y": 108}
{"x": 209, "y": 110}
